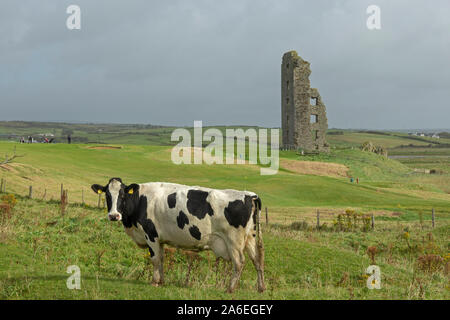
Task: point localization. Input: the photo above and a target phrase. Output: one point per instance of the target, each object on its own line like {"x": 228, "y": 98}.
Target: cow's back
{"x": 198, "y": 217}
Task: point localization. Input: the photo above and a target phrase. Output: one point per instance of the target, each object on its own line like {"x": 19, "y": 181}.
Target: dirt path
{"x": 315, "y": 168}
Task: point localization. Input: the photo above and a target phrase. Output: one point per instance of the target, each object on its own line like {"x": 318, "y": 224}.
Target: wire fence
{"x": 100, "y": 201}
{"x": 83, "y": 196}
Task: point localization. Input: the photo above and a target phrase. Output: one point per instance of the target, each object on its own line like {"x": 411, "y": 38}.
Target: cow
{"x": 196, "y": 218}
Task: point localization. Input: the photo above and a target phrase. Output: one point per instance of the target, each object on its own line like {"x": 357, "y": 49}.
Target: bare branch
{"x": 10, "y": 159}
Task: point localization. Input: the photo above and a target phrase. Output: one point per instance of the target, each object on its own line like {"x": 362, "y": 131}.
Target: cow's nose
{"x": 113, "y": 217}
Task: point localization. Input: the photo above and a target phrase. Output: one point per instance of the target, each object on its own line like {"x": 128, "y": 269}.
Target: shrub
{"x": 372, "y": 251}
{"x": 303, "y": 225}
{"x": 351, "y": 221}
{"x": 447, "y": 264}
{"x": 9, "y": 199}
{"x": 430, "y": 263}
{"x": 430, "y": 247}
{"x": 8, "y": 203}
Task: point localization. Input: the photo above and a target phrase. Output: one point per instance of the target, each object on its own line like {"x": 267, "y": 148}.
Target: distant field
{"x": 37, "y": 243}
{"x": 389, "y": 140}
{"x": 139, "y": 134}
{"x": 85, "y": 133}
{"x": 415, "y": 151}
{"x": 135, "y": 134}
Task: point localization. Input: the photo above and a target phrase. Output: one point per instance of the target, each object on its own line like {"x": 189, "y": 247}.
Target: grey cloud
{"x": 173, "y": 62}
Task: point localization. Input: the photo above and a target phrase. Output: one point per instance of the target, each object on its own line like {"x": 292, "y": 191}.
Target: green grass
{"x": 37, "y": 243}
{"x": 365, "y": 165}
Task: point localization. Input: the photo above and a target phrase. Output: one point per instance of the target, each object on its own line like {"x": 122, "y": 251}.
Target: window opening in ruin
{"x": 287, "y": 100}
{"x": 314, "y": 118}
{"x": 287, "y": 84}
{"x": 287, "y": 65}
{"x": 313, "y": 101}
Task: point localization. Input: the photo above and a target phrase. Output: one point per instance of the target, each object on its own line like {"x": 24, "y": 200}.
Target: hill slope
{"x": 46, "y": 166}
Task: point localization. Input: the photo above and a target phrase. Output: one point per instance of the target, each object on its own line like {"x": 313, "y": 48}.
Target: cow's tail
{"x": 259, "y": 240}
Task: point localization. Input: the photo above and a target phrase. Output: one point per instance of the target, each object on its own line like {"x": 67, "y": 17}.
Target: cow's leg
{"x": 161, "y": 264}
{"x": 156, "y": 256}
{"x": 237, "y": 258}
{"x": 257, "y": 258}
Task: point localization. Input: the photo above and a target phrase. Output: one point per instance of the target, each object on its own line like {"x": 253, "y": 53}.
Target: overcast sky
{"x": 173, "y": 62}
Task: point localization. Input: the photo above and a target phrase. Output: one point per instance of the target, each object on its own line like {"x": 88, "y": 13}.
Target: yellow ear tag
{"x": 99, "y": 191}
{"x": 130, "y": 191}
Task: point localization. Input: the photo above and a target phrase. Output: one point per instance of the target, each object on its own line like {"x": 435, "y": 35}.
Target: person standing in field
{"x": 69, "y": 139}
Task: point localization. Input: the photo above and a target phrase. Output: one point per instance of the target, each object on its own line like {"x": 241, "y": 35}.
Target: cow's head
{"x": 117, "y": 195}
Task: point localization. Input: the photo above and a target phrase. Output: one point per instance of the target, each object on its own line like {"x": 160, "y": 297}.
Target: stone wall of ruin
{"x": 303, "y": 114}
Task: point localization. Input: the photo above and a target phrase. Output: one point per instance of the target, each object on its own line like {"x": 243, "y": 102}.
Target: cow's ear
{"x": 132, "y": 188}
{"x": 98, "y": 188}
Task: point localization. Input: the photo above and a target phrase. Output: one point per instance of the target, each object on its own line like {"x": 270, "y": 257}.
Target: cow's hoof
{"x": 157, "y": 283}
{"x": 261, "y": 289}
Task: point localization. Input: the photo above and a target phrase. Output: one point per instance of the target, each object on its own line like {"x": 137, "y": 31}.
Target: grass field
{"x": 37, "y": 242}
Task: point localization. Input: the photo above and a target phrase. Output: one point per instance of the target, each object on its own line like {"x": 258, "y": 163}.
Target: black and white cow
{"x": 158, "y": 213}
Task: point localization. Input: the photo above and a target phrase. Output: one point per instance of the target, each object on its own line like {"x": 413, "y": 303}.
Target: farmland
{"x": 38, "y": 241}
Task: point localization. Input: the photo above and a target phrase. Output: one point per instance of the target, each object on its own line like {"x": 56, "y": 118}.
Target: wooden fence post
{"x": 267, "y": 218}
{"x": 30, "y": 192}
{"x": 62, "y": 190}
{"x": 373, "y": 221}
{"x": 432, "y": 217}
{"x": 318, "y": 220}
{"x": 67, "y": 196}
{"x": 99, "y": 196}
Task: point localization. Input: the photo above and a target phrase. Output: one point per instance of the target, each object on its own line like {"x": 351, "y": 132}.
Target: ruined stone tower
{"x": 303, "y": 115}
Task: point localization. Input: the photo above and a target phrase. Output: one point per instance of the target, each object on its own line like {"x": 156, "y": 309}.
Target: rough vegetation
{"x": 370, "y": 147}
